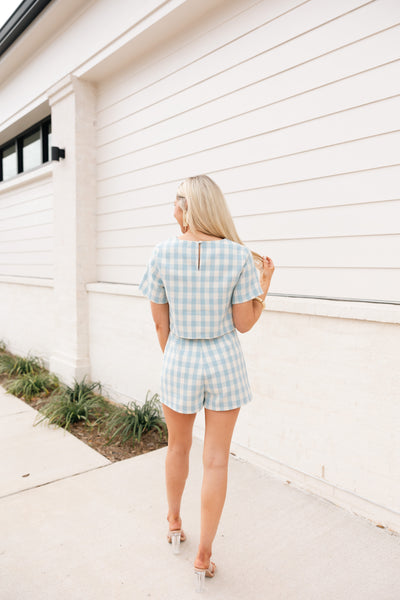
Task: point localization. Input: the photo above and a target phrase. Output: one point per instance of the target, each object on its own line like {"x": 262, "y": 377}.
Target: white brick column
{"x": 73, "y": 103}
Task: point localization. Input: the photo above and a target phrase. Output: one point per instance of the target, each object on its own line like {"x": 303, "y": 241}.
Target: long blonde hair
{"x": 205, "y": 209}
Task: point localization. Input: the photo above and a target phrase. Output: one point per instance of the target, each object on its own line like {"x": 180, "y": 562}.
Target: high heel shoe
{"x": 175, "y": 537}
{"x": 201, "y": 574}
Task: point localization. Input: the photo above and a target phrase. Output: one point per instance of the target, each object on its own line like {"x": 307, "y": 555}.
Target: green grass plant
{"x": 130, "y": 421}
{"x": 30, "y": 385}
{"x": 72, "y": 404}
{"x": 7, "y": 364}
{"x": 20, "y": 365}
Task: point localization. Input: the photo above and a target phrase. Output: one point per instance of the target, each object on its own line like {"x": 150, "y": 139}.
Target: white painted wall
{"x": 292, "y": 107}
{"x": 27, "y": 262}
{"x": 26, "y": 225}
{"x": 27, "y": 316}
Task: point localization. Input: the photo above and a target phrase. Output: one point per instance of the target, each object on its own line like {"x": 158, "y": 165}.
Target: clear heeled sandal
{"x": 201, "y": 574}
{"x": 175, "y": 538}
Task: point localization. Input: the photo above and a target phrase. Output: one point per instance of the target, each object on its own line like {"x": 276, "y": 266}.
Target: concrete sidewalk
{"x": 80, "y": 527}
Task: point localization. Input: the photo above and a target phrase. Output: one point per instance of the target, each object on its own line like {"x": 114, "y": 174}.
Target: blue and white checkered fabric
{"x": 210, "y": 373}
{"x": 200, "y": 296}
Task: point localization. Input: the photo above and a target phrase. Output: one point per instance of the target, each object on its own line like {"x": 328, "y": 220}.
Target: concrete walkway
{"x": 75, "y": 526}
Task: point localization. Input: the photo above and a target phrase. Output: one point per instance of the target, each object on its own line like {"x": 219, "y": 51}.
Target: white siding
{"x": 26, "y": 228}
{"x": 294, "y": 109}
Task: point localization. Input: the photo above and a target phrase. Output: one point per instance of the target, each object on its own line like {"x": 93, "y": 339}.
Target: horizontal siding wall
{"x": 294, "y": 109}
{"x": 26, "y": 229}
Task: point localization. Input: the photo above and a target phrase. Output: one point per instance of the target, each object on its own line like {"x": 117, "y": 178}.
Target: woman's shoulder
{"x": 163, "y": 244}
{"x": 239, "y": 249}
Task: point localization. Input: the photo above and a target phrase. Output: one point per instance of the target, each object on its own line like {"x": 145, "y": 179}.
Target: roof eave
{"x": 20, "y": 20}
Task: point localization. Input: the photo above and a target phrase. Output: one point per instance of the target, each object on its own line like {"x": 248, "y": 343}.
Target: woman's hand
{"x": 266, "y": 273}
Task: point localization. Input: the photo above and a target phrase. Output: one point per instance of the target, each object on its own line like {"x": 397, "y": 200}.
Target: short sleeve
{"x": 152, "y": 285}
{"x": 248, "y": 285}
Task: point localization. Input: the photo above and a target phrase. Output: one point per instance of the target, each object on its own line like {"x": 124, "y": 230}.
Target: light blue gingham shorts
{"x": 204, "y": 372}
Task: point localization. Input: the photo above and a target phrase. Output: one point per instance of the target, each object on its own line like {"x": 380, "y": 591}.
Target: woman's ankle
{"x": 175, "y": 521}
{"x": 203, "y": 557}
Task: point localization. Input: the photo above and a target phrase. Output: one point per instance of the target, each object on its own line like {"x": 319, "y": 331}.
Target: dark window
{"x": 27, "y": 151}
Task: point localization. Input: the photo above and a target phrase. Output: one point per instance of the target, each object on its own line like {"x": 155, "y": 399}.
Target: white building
{"x": 293, "y": 108}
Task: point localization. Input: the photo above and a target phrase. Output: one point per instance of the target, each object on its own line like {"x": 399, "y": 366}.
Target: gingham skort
{"x": 204, "y": 372}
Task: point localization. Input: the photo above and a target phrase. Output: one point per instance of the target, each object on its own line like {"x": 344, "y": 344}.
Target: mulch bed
{"x": 93, "y": 436}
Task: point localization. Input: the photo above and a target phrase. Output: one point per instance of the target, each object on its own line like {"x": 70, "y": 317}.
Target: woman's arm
{"x": 246, "y": 314}
{"x": 160, "y": 314}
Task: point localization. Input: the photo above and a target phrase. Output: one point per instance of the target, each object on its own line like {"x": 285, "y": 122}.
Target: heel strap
{"x": 209, "y": 569}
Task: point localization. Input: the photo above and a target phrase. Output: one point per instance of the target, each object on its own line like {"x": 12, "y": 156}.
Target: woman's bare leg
{"x": 219, "y": 427}
{"x": 180, "y": 428}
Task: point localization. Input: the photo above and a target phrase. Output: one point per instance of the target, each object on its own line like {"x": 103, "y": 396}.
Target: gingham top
{"x": 200, "y": 287}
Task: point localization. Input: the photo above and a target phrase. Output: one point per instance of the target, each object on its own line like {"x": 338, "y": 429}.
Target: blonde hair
{"x": 205, "y": 210}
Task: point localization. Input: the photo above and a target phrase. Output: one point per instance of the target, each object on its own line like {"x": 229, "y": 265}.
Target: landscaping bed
{"x": 114, "y": 430}
{"x": 117, "y": 450}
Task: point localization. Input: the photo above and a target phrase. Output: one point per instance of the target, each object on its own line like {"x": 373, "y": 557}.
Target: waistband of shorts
{"x": 180, "y": 337}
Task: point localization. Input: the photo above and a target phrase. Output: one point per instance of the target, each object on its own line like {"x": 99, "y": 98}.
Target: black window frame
{"x": 43, "y": 126}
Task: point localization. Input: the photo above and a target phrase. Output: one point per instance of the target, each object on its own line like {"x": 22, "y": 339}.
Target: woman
{"x": 203, "y": 285}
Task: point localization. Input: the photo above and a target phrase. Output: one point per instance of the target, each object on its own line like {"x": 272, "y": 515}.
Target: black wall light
{"x": 57, "y": 153}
